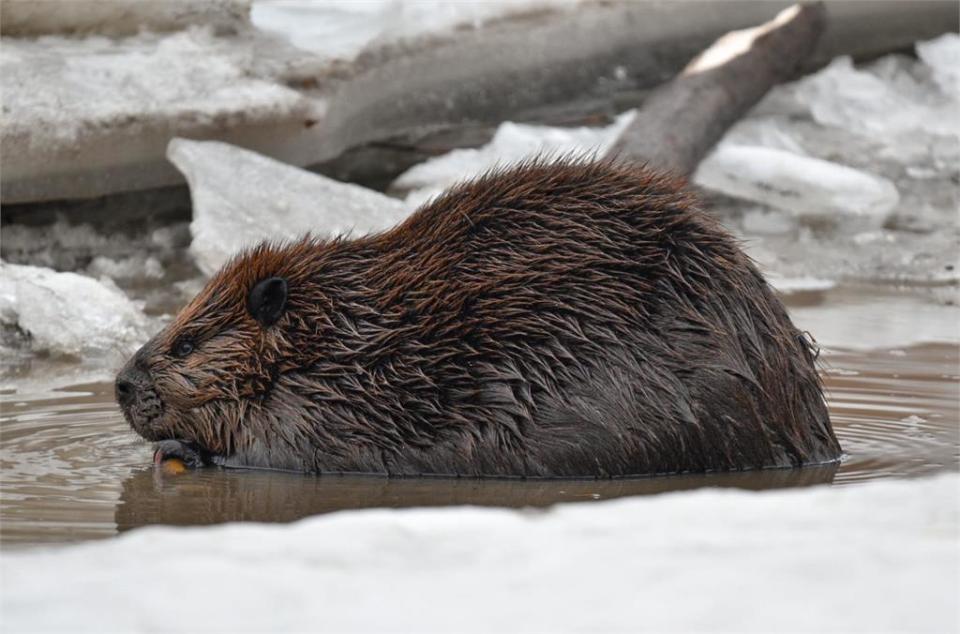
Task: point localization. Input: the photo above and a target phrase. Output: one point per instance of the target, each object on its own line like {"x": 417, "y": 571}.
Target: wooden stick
{"x": 682, "y": 120}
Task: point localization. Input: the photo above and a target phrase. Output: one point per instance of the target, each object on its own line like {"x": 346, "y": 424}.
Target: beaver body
{"x": 568, "y": 319}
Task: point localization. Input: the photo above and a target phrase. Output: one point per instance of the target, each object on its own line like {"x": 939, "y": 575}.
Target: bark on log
{"x": 682, "y": 120}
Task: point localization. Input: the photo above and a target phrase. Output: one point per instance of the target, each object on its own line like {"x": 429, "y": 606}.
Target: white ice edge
{"x": 877, "y": 557}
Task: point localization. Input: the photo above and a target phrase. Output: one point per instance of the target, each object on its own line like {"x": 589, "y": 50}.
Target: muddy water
{"x": 72, "y": 470}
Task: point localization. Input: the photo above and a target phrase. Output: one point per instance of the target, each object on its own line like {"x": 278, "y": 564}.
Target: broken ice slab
{"x": 66, "y": 314}
{"x": 241, "y": 198}
{"x": 805, "y": 186}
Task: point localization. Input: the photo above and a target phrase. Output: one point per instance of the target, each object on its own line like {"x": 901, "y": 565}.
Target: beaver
{"x": 562, "y": 318}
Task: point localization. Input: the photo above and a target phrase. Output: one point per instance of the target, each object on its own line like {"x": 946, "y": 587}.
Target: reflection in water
{"x": 210, "y": 497}
{"x": 72, "y": 469}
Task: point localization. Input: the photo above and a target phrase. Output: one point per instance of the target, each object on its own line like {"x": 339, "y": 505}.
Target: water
{"x": 72, "y": 470}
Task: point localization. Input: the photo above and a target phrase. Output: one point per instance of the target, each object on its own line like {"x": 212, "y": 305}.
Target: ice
{"x": 775, "y": 132}
{"x": 942, "y": 56}
{"x": 69, "y": 314}
{"x": 876, "y": 557}
{"x": 512, "y": 143}
{"x": 241, "y": 198}
{"x": 805, "y": 186}
{"x": 341, "y": 29}
{"x": 762, "y": 221}
{"x": 137, "y": 267}
{"x": 845, "y": 97}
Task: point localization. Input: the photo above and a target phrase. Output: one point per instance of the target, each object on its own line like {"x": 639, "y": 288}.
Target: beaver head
{"x": 197, "y": 379}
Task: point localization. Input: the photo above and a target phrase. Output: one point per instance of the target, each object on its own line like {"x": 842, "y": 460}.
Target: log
{"x": 681, "y": 121}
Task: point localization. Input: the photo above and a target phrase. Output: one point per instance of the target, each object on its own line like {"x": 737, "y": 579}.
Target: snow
{"x": 69, "y": 314}
{"x": 877, "y": 557}
{"x": 241, "y": 198}
{"x": 342, "y": 29}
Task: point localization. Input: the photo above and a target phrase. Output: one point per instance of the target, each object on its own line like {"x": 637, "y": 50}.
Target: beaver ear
{"x": 267, "y": 300}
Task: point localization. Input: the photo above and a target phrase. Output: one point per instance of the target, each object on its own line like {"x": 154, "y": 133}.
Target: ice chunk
{"x": 766, "y": 131}
{"x": 942, "y": 55}
{"x": 846, "y": 97}
{"x": 513, "y": 142}
{"x": 138, "y": 267}
{"x": 241, "y": 198}
{"x": 806, "y": 186}
{"x": 69, "y": 314}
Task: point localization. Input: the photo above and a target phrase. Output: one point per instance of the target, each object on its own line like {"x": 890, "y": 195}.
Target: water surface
{"x": 72, "y": 470}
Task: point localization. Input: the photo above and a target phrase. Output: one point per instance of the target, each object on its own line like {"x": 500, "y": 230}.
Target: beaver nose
{"x": 125, "y": 391}
{"x": 129, "y": 380}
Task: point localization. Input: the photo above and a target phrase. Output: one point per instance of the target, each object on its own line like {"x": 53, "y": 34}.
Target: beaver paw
{"x": 192, "y": 456}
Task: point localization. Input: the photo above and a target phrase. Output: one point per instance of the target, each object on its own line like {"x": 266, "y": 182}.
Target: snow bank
{"x": 69, "y": 314}
{"x": 241, "y": 198}
{"x": 877, "y": 557}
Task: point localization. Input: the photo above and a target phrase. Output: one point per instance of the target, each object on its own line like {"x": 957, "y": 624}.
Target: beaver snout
{"x": 130, "y": 381}
{"x": 137, "y": 398}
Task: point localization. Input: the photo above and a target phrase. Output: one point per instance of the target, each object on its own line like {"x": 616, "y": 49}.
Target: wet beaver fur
{"x": 555, "y": 319}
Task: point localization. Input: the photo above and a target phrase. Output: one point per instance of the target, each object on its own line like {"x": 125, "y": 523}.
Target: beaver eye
{"x": 182, "y": 347}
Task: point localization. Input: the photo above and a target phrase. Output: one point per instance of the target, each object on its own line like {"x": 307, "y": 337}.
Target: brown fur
{"x": 562, "y": 319}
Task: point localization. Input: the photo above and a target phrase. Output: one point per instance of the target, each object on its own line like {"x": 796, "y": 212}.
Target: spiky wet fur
{"x": 554, "y": 319}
